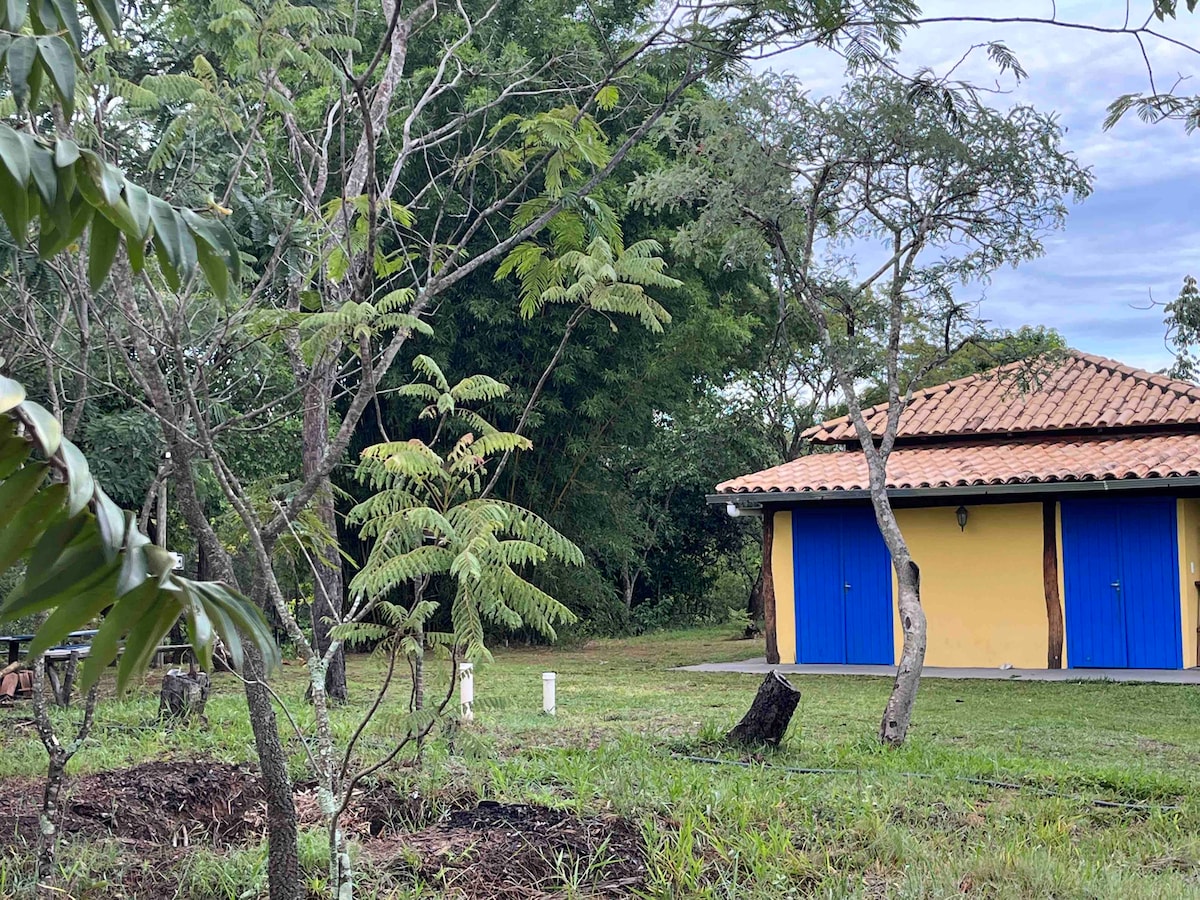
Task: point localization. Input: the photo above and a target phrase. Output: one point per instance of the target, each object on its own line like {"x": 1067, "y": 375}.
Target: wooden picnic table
{"x": 14, "y": 642}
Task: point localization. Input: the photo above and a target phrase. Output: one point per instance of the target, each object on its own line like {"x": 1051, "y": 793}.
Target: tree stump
{"x": 768, "y": 717}
{"x": 183, "y": 695}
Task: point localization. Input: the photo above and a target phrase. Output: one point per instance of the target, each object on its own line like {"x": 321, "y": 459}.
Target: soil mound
{"x": 176, "y": 803}
{"x": 507, "y": 851}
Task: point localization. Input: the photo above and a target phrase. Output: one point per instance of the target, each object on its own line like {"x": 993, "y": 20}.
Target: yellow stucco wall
{"x": 785, "y": 587}
{"x": 981, "y": 587}
{"x": 1189, "y": 573}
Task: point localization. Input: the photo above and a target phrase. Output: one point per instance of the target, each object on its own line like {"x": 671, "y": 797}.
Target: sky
{"x": 1138, "y": 234}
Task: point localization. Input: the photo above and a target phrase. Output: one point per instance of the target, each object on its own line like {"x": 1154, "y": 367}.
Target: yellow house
{"x": 1054, "y": 525}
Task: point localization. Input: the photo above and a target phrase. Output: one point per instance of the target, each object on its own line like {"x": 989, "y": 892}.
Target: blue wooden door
{"x": 1121, "y": 583}
{"x": 1150, "y": 583}
{"x": 843, "y": 587}
{"x": 820, "y": 598}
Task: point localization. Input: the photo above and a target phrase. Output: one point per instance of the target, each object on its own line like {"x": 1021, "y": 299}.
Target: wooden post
{"x": 768, "y": 586}
{"x": 1054, "y": 613}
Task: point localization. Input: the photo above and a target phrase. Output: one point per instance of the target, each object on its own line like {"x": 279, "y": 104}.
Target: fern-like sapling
{"x": 432, "y": 533}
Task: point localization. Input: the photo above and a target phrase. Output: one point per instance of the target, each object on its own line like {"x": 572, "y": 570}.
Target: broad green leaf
{"x": 222, "y": 622}
{"x": 13, "y": 450}
{"x": 200, "y": 628}
{"x": 79, "y": 478}
{"x": 60, "y": 63}
{"x": 110, "y": 521}
{"x": 53, "y": 240}
{"x": 222, "y": 246}
{"x": 68, "y": 17}
{"x": 58, "y": 537}
{"x": 28, "y": 523}
{"x": 125, "y": 612}
{"x": 120, "y": 215}
{"x": 169, "y": 272}
{"x": 37, "y": 73}
{"x": 46, "y": 429}
{"x": 139, "y": 207}
{"x": 106, "y": 239}
{"x": 136, "y": 249}
{"x": 14, "y": 206}
{"x": 66, "y": 152}
{"x": 14, "y": 153}
{"x": 107, "y": 178}
{"x": 145, "y": 636}
{"x": 11, "y": 393}
{"x": 14, "y": 14}
{"x": 214, "y": 270}
{"x": 79, "y": 609}
{"x": 133, "y": 561}
{"x": 41, "y": 165}
{"x": 19, "y": 488}
{"x": 22, "y": 54}
{"x": 173, "y": 238}
{"x": 158, "y": 560}
{"x": 107, "y": 16}
{"x": 79, "y": 568}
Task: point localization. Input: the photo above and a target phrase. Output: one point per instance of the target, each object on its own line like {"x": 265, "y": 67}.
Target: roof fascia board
{"x": 757, "y": 499}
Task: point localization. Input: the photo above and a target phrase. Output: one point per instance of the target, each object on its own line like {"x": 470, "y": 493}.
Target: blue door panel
{"x": 843, "y": 587}
{"x": 1121, "y": 580}
{"x": 1091, "y": 572}
{"x": 820, "y": 600}
{"x": 1150, "y": 583}
{"x": 866, "y": 567}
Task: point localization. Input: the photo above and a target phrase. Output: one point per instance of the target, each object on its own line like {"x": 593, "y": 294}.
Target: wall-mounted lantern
{"x": 961, "y": 515}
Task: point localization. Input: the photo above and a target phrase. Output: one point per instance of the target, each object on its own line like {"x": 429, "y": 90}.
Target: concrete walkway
{"x": 759, "y": 666}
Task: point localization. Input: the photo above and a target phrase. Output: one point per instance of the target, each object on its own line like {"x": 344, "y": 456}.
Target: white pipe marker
{"x": 548, "y": 705}
{"x": 466, "y": 691}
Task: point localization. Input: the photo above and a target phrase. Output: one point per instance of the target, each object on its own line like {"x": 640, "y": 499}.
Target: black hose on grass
{"x": 969, "y": 779}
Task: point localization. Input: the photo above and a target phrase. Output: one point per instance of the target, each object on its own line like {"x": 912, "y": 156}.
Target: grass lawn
{"x": 908, "y": 823}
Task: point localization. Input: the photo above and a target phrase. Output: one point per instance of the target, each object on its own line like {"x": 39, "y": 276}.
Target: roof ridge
{"x": 1062, "y": 360}
{"x": 1176, "y": 385}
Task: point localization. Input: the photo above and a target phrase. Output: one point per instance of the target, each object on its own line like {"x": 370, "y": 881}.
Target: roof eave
{"x": 757, "y": 499}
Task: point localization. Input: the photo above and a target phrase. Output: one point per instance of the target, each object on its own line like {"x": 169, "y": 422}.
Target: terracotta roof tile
{"x": 1080, "y": 392}
{"x": 1030, "y": 461}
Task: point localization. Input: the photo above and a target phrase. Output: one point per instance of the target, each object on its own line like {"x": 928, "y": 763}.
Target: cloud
{"x": 1137, "y": 235}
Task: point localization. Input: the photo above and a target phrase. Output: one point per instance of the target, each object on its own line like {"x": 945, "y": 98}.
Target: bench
{"x": 62, "y": 662}
{"x": 69, "y": 656}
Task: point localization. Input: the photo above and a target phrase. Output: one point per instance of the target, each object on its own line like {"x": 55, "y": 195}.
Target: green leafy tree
{"x": 928, "y": 187}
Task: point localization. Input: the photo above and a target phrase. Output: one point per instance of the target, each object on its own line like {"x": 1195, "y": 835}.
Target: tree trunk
{"x": 893, "y": 729}
{"x": 755, "y": 608}
{"x": 418, "y": 663}
{"x": 283, "y": 864}
{"x": 768, "y": 587}
{"x": 767, "y": 720}
{"x": 47, "y": 844}
{"x": 1054, "y": 613}
{"x": 183, "y": 695}
{"x": 59, "y": 755}
{"x": 48, "y": 821}
{"x": 327, "y": 577}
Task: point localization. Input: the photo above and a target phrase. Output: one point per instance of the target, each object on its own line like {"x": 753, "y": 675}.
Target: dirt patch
{"x": 175, "y": 804}
{"x": 470, "y": 850}
{"x": 503, "y": 852}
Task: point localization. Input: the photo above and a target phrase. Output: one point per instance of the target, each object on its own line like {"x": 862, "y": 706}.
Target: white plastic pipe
{"x": 548, "y": 705}
{"x": 466, "y": 691}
